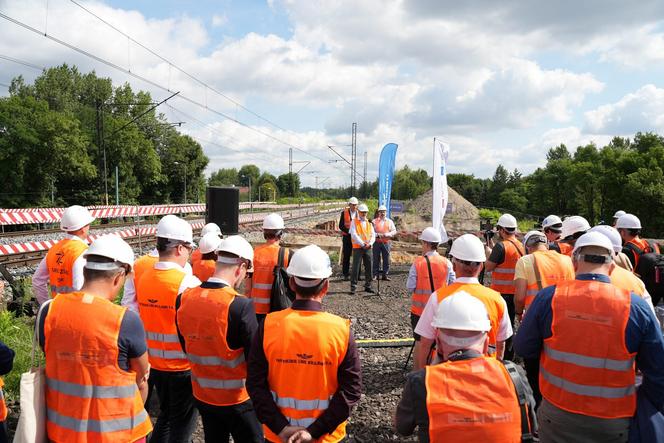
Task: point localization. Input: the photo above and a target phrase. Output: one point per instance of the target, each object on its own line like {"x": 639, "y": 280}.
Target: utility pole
{"x": 364, "y": 182}
{"x": 117, "y": 188}
{"x": 353, "y": 157}
{"x": 52, "y": 192}
{"x": 102, "y": 147}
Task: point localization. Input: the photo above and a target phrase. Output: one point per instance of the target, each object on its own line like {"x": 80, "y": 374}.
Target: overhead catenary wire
{"x": 22, "y": 62}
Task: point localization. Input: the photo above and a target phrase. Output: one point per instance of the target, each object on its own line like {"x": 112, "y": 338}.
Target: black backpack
{"x": 281, "y": 296}
{"x": 651, "y": 271}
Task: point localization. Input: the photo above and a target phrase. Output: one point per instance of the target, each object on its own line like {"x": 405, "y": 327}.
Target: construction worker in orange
{"x": 385, "y": 231}
{"x": 266, "y": 257}
{"x": 304, "y": 367}
{"x": 216, "y": 326}
{"x": 62, "y": 267}
{"x": 588, "y": 335}
{"x": 629, "y": 227}
{"x": 363, "y": 236}
{"x": 156, "y": 293}
{"x": 573, "y": 227}
{"x": 347, "y": 216}
{"x": 96, "y": 370}
{"x": 203, "y": 258}
{"x": 616, "y": 216}
{"x": 552, "y": 226}
{"x": 469, "y": 396}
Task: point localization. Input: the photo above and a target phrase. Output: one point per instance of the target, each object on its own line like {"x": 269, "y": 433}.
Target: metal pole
{"x": 117, "y": 188}
{"x": 185, "y": 183}
{"x": 53, "y": 192}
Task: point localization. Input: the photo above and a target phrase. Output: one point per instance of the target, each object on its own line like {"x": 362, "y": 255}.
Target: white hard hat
{"x": 110, "y": 246}
{"x": 175, "y": 228}
{"x": 468, "y": 248}
{"x": 552, "y": 221}
{"x": 532, "y": 234}
{"x": 431, "y": 235}
{"x": 74, "y": 218}
{"x": 209, "y": 242}
{"x": 310, "y": 262}
{"x": 363, "y": 208}
{"x": 211, "y": 227}
{"x": 236, "y": 245}
{"x": 574, "y": 224}
{"x": 352, "y": 201}
{"x": 619, "y": 214}
{"x": 594, "y": 239}
{"x": 611, "y": 233}
{"x": 382, "y": 208}
{"x": 462, "y": 312}
{"x": 628, "y": 221}
{"x": 273, "y": 221}
{"x": 507, "y": 221}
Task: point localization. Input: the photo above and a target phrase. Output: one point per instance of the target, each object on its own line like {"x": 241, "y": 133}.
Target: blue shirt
{"x": 642, "y": 336}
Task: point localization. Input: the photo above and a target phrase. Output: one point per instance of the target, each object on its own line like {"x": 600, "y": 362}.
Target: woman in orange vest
{"x": 203, "y": 259}
{"x": 6, "y": 364}
{"x": 96, "y": 371}
{"x": 304, "y": 372}
{"x": 470, "y": 396}
{"x": 385, "y": 230}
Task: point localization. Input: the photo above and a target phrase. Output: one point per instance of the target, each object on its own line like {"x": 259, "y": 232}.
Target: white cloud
{"x": 642, "y": 110}
{"x": 219, "y": 20}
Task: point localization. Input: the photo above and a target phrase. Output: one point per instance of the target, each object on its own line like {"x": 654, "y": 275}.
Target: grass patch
{"x": 16, "y": 332}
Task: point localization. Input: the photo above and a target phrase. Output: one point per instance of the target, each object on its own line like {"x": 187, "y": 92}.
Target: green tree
{"x": 288, "y": 184}
{"x": 224, "y": 177}
{"x": 249, "y": 174}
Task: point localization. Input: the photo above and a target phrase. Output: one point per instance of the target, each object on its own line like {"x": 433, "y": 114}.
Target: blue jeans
{"x": 381, "y": 250}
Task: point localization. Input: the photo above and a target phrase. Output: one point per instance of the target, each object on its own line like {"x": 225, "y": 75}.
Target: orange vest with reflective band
{"x": 218, "y": 373}
{"x": 552, "y": 268}
{"x": 266, "y": 257}
{"x": 363, "y": 229}
{"x": 495, "y": 306}
{"x": 565, "y": 248}
{"x": 347, "y": 220}
{"x": 3, "y": 405}
{"x": 141, "y": 265}
{"x": 203, "y": 269}
{"x": 628, "y": 281}
{"x": 306, "y": 347}
{"x": 472, "y": 400}
{"x": 382, "y": 226}
{"x": 585, "y": 367}
{"x": 156, "y": 292}
{"x": 89, "y": 398}
{"x": 60, "y": 262}
{"x": 422, "y": 291}
{"x": 639, "y": 247}
{"x": 502, "y": 277}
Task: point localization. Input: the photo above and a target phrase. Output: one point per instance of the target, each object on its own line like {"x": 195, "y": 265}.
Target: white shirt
{"x": 425, "y": 329}
{"x": 356, "y": 237}
{"x": 411, "y": 283}
{"x": 392, "y": 229}
{"x": 40, "y": 278}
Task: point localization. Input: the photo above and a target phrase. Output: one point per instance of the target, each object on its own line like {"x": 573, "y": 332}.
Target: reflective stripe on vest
{"x": 60, "y": 263}
{"x": 553, "y": 268}
{"x": 98, "y": 426}
{"x": 422, "y": 291}
{"x": 165, "y": 354}
{"x": 363, "y": 229}
{"x": 211, "y": 360}
{"x": 502, "y": 277}
{"x": 266, "y": 257}
{"x": 300, "y": 405}
{"x": 164, "y": 338}
{"x": 91, "y": 391}
{"x": 212, "y": 383}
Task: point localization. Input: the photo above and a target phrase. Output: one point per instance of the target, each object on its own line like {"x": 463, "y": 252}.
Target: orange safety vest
{"x": 60, "y": 262}
{"x": 218, "y": 373}
{"x": 347, "y": 220}
{"x": 306, "y": 346}
{"x": 628, "y": 281}
{"x": 585, "y": 367}
{"x": 3, "y": 405}
{"x": 565, "y": 248}
{"x": 364, "y": 230}
{"x": 266, "y": 257}
{"x": 502, "y": 278}
{"x": 202, "y": 269}
{"x": 156, "y": 292}
{"x": 551, "y": 268}
{"x": 472, "y": 400}
{"x": 142, "y": 264}
{"x": 89, "y": 398}
{"x": 382, "y": 227}
{"x": 640, "y": 246}
{"x": 495, "y": 306}
{"x": 439, "y": 270}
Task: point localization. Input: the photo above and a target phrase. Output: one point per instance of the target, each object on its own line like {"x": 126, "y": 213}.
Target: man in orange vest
{"x": 204, "y": 265}
{"x": 156, "y": 293}
{"x": 63, "y": 265}
{"x": 469, "y": 396}
{"x": 616, "y": 216}
{"x": 6, "y": 365}
{"x": 347, "y": 216}
{"x": 573, "y": 227}
{"x": 266, "y": 257}
{"x": 385, "y": 230}
{"x": 552, "y": 226}
{"x": 629, "y": 227}
{"x": 363, "y": 236}
{"x": 96, "y": 370}
{"x": 468, "y": 257}
{"x": 216, "y": 326}
{"x": 304, "y": 368}
{"x": 501, "y": 263}
{"x": 588, "y": 334}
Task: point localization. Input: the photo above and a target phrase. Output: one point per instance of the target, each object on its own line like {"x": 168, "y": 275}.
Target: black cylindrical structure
{"x": 223, "y": 208}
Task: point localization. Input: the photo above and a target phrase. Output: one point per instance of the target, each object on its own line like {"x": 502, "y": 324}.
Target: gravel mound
{"x": 464, "y": 216}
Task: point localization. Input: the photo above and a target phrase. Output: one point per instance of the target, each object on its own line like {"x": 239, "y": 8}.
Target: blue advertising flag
{"x": 386, "y": 174}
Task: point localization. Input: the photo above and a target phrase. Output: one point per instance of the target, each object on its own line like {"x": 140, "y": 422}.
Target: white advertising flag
{"x": 440, "y": 195}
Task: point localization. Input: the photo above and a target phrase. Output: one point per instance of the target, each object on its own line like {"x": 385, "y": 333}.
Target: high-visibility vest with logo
{"x": 89, "y": 398}
{"x": 472, "y": 400}
{"x": 348, "y": 218}
{"x": 493, "y": 302}
{"x": 3, "y": 404}
{"x": 422, "y": 291}
{"x": 640, "y": 246}
{"x": 306, "y": 347}
{"x": 202, "y": 269}
{"x": 585, "y": 367}
{"x": 218, "y": 373}
{"x": 363, "y": 229}
{"x": 156, "y": 293}
{"x": 502, "y": 277}
{"x": 60, "y": 262}
{"x": 628, "y": 281}
{"x": 266, "y": 257}
{"x": 382, "y": 226}
{"x": 552, "y": 268}
{"x": 142, "y": 264}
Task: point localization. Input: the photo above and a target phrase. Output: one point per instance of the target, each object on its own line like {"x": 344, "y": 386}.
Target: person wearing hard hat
{"x": 469, "y": 396}
{"x": 345, "y": 221}
{"x": 96, "y": 370}
{"x": 629, "y": 227}
{"x": 266, "y": 258}
{"x": 62, "y": 267}
{"x": 428, "y": 272}
{"x": 552, "y": 226}
{"x": 363, "y": 237}
{"x": 468, "y": 257}
{"x": 501, "y": 263}
{"x": 588, "y": 334}
{"x": 385, "y": 230}
{"x": 304, "y": 367}
{"x": 156, "y": 292}
{"x": 573, "y": 227}
{"x": 203, "y": 258}
{"x": 616, "y": 216}
{"x": 216, "y": 326}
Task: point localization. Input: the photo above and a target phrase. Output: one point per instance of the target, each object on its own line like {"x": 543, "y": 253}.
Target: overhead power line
{"x": 22, "y": 62}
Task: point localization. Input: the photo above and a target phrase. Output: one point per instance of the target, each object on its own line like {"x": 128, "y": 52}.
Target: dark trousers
{"x": 361, "y": 255}
{"x": 3, "y": 432}
{"x": 413, "y": 324}
{"x": 381, "y": 252}
{"x": 240, "y": 421}
{"x": 346, "y": 251}
{"x": 511, "y": 310}
{"x": 178, "y": 416}
{"x": 532, "y": 372}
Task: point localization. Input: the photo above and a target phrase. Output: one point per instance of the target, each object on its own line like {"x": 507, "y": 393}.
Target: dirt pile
{"x": 417, "y": 216}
